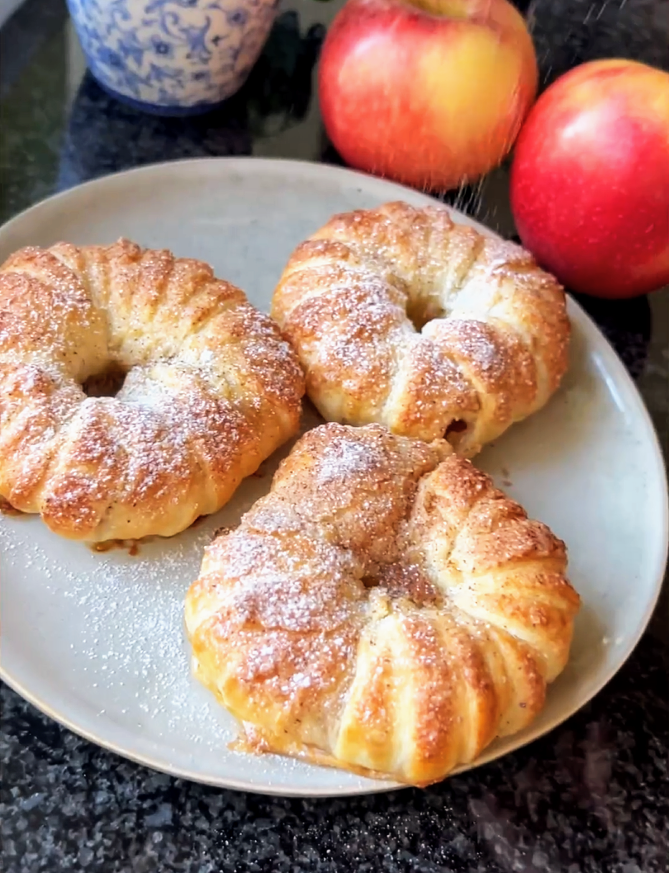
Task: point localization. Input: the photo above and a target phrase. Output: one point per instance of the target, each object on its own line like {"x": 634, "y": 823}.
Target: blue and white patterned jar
{"x": 173, "y": 57}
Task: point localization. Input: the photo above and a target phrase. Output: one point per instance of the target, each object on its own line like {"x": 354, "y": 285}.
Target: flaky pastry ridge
{"x": 210, "y": 389}
{"x": 384, "y": 609}
{"x": 402, "y": 317}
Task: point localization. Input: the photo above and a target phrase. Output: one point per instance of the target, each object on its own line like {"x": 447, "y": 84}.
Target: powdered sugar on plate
{"x": 111, "y": 624}
{"x": 67, "y": 612}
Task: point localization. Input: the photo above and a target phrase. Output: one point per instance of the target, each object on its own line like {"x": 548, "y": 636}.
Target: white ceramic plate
{"x": 96, "y": 640}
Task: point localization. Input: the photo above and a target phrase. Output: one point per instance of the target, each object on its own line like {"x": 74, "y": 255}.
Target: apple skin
{"x": 430, "y": 93}
{"x": 590, "y": 179}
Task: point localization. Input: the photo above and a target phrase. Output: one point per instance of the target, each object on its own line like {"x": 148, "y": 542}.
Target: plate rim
{"x": 612, "y": 363}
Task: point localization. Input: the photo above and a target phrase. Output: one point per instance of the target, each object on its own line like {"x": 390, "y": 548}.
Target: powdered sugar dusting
{"x": 355, "y": 297}
{"x": 111, "y": 624}
{"x": 549, "y": 455}
{"x": 211, "y": 389}
{"x": 343, "y": 460}
{"x": 322, "y": 627}
{"x": 295, "y": 583}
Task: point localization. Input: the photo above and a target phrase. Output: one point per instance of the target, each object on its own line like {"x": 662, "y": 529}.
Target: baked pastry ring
{"x": 384, "y": 609}
{"x": 401, "y": 317}
{"x": 210, "y": 389}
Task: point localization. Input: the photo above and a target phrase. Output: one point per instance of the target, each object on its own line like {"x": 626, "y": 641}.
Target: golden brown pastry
{"x": 401, "y": 317}
{"x": 384, "y": 609}
{"x": 209, "y": 389}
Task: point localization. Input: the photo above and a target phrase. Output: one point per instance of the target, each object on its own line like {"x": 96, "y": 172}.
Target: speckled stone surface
{"x": 590, "y": 797}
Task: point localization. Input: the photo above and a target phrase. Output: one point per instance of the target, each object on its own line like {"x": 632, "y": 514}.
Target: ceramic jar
{"x": 172, "y": 57}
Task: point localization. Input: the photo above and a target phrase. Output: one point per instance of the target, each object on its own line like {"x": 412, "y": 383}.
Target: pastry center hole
{"x": 455, "y": 431}
{"x": 456, "y": 426}
{"x": 108, "y": 383}
{"x": 420, "y": 312}
{"x": 370, "y": 581}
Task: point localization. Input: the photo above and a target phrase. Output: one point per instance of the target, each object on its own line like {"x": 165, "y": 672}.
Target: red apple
{"x": 428, "y": 92}
{"x": 590, "y": 179}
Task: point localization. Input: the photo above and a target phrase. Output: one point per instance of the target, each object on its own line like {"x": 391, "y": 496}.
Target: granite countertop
{"x": 593, "y": 795}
